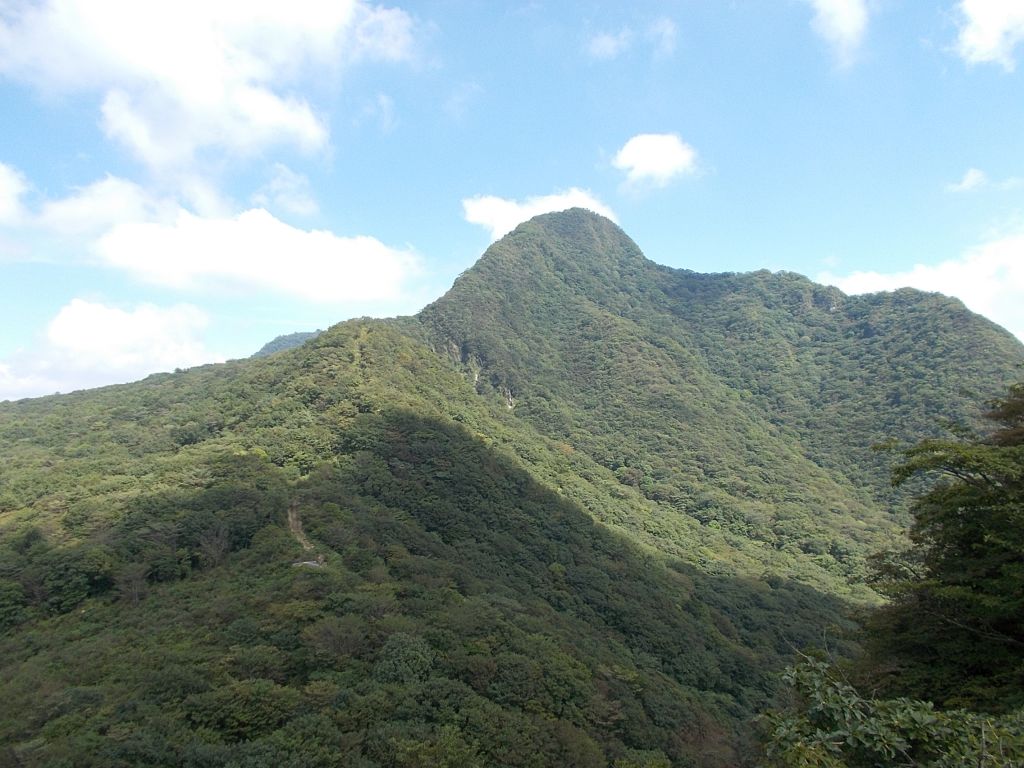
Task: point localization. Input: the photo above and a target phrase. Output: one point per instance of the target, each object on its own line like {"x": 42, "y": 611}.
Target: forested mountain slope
{"x": 749, "y": 403}
{"x": 577, "y": 512}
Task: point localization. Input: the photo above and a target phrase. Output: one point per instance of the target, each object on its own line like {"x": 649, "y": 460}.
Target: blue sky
{"x": 181, "y": 182}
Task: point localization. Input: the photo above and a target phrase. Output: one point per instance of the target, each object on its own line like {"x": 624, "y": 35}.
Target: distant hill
{"x": 577, "y": 512}
{"x": 286, "y": 341}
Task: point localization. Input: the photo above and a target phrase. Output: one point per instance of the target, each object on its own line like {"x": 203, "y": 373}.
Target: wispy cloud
{"x": 380, "y": 110}
{"x": 610, "y": 45}
{"x": 501, "y": 215}
{"x": 972, "y": 179}
{"x": 12, "y": 188}
{"x": 975, "y": 179}
{"x": 288, "y": 191}
{"x": 459, "y": 100}
{"x": 662, "y": 33}
{"x": 659, "y": 36}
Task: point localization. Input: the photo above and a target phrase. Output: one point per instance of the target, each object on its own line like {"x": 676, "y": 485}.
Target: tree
{"x": 131, "y": 582}
{"x": 12, "y": 604}
{"x": 954, "y": 631}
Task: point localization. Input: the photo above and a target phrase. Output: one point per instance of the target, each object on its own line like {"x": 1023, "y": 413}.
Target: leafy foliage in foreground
{"x": 830, "y": 725}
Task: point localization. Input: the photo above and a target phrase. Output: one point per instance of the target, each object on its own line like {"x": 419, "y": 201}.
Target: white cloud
{"x": 501, "y": 215}
{"x": 94, "y": 208}
{"x": 118, "y": 224}
{"x": 383, "y": 34}
{"x": 16, "y": 383}
{"x": 254, "y": 249}
{"x": 202, "y": 194}
{"x": 842, "y": 24}
{"x": 972, "y": 179}
{"x": 662, "y": 33}
{"x": 12, "y": 188}
{"x": 990, "y": 30}
{"x": 655, "y": 158}
{"x": 975, "y": 178}
{"x": 607, "y": 45}
{"x": 145, "y": 338}
{"x": 989, "y": 279}
{"x": 181, "y": 77}
{"x": 89, "y": 344}
{"x": 288, "y": 191}
{"x": 659, "y": 34}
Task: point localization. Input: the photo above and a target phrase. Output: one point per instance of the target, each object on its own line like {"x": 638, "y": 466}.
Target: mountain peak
{"x": 571, "y": 221}
{"x": 543, "y": 264}
{"x": 579, "y": 231}
{"x": 575, "y": 245}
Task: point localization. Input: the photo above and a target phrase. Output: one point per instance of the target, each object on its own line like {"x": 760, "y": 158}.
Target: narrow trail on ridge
{"x": 295, "y": 526}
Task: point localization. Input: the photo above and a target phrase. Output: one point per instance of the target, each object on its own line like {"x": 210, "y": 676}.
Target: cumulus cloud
{"x": 655, "y": 158}
{"x": 177, "y": 78}
{"x": 288, "y": 191}
{"x": 610, "y": 45}
{"x": 146, "y": 337}
{"x": 89, "y": 344}
{"x": 12, "y": 187}
{"x": 117, "y": 223}
{"x": 501, "y": 215}
{"x": 990, "y": 30}
{"x": 842, "y": 24}
{"x": 989, "y": 279}
{"x": 972, "y": 179}
{"x": 253, "y": 249}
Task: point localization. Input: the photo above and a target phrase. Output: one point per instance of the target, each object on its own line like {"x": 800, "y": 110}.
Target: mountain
{"x": 746, "y": 404}
{"x": 577, "y": 512}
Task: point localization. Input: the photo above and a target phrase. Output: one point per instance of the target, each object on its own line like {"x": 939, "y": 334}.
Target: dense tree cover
{"x": 954, "y": 630}
{"x": 557, "y": 526}
{"x": 464, "y": 607}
